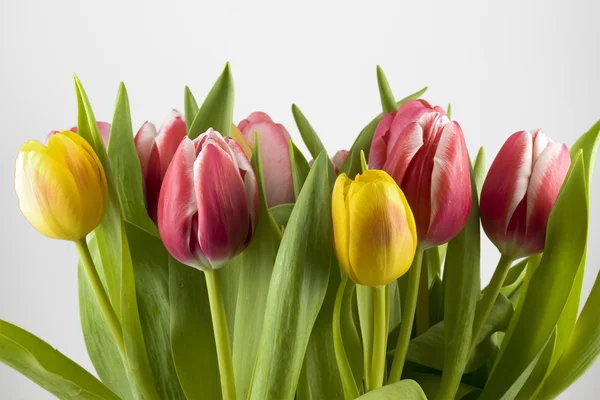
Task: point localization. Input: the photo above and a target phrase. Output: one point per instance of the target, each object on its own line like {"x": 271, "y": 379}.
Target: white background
{"x": 504, "y": 66}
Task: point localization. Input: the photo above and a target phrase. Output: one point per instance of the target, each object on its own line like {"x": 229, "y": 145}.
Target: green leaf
{"x": 281, "y": 213}
{"x": 300, "y": 167}
{"x": 388, "y": 101}
{"x": 320, "y": 378}
{"x": 405, "y": 390}
{"x": 192, "y": 337}
{"x": 349, "y": 323}
{"x": 364, "y": 296}
{"x": 217, "y": 110}
{"x": 190, "y": 107}
{"x": 116, "y": 259}
{"x": 564, "y": 250}
{"x": 461, "y": 280}
{"x": 255, "y": 269}
{"x": 47, "y": 367}
{"x": 431, "y": 385}
{"x": 298, "y": 288}
{"x": 575, "y": 346}
{"x": 449, "y": 111}
{"x": 479, "y": 170}
{"x": 309, "y": 136}
{"x": 351, "y": 165}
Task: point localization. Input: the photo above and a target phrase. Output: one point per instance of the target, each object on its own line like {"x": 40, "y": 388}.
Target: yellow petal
{"x": 48, "y": 196}
{"x": 241, "y": 140}
{"x": 382, "y": 240}
{"x": 339, "y": 213}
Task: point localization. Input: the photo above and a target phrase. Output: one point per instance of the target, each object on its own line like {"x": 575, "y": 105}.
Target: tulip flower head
{"x": 428, "y": 159}
{"x": 520, "y": 190}
{"x": 208, "y": 204}
{"x": 62, "y": 188}
{"x": 155, "y": 150}
{"x": 374, "y": 229}
{"x": 275, "y": 156}
{"x": 338, "y": 160}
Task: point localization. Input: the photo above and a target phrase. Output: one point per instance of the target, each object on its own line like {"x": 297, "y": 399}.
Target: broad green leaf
{"x": 116, "y": 259}
{"x": 300, "y": 168}
{"x": 479, "y": 170}
{"x": 217, "y": 110}
{"x": 564, "y": 250}
{"x": 298, "y": 288}
{"x": 255, "y": 267}
{"x": 431, "y": 385}
{"x": 99, "y": 341}
{"x": 349, "y": 323}
{"x": 190, "y": 107}
{"x": 309, "y": 136}
{"x": 461, "y": 280}
{"x": 320, "y": 378}
{"x": 535, "y": 379}
{"x": 388, "y": 101}
{"x": 47, "y": 367}
{"x": 578, "y": 347}
{"x": 405, "y": 390}
{"x": 428, "y": 349}
{"x": 192, "y": 337}
{"x": 281, "y": 213}
{"x": 363, "y": 142}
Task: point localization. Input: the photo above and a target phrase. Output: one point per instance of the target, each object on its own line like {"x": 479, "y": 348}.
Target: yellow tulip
{"x": 61, "y": 187}
{"x": 374, "y": 228}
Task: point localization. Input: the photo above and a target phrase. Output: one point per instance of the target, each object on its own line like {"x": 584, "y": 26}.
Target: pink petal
{"x": 450, "y": 187}
{"x": 258, "y": 116}
{"x": 169, "y": 136}
{"x": 250, "y": 182}
{"x": 379, "y": 145}
{"x": 400, "y": 156}
{"x": 338, "y": 160}
{"x": 144, "y": 142}
{"x": 223, "y": 216}
{"x": 177, "y": 209}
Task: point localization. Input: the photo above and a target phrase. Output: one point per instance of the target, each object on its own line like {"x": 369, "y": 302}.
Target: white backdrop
{"x": 504, "y": 66}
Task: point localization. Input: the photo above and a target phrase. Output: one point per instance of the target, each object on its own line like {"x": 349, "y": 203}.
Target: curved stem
{"x": 408, "y": 317}
{"x": 103, "y": 301}
{"x": 348, "y": 382}
{"x": 379, "y": 337}
{"x": 219, "y": 320}
{"x": 485, "y": 305}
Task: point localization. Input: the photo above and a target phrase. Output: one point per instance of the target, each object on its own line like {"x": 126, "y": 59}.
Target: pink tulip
{"x": 428, "y": 159}
{"x": 103, "y": 127}
{"x": 155, "y": 150}
{"x": 391, "y": 126}
{"x": 275, "y": 156}
{"x": 338, "y": 160}
{"x": 208, "y": 204}
{"x": 520, "y": 190}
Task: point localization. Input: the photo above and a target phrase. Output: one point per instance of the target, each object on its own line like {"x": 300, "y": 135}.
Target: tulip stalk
{"x": 105, "y": 305}
{"x": 489, "y": 297}
{"x": 379, "y": 337}
{"x": 408, "y": 317}
{"x": 219, "y": 320}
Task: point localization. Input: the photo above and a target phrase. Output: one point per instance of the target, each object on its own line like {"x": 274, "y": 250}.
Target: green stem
{"x": 348, "y": 382}
{"x": 485, "y": 305}
{"x": 379, "y": 337}
{"x": 408, "y": 317}
{"x": 422, "y": 316}
{"x": 105, "y": 305}
{"x": 219, "y": 320}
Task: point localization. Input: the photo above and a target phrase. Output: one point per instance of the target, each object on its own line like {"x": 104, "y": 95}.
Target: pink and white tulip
{"x": 208, "y": 204}
{"x": 428, "y": 159}
{"x": 155, "y": 150}
{"x": 520, "y": 190}
{"x": 338, "y": 160}
{"x": 275, "y": 155}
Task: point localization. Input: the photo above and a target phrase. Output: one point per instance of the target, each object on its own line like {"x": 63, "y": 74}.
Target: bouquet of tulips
{"x": 219, "y": 261}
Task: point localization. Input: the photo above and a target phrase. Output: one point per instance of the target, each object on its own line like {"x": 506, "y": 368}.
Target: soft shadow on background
{"x": 504, "y": 66}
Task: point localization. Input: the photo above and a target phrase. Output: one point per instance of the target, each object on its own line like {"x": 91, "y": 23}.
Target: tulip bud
{"x": 208, "y": 204}
{"x": 338, "y": 160}
{"x": 374, "y": 228}
{"x": 520, "y": 190}
{"x": 275, "y": 156}
{"x": 155, "y": 151}
{"x": 429, "y": 160}
{"x": 62, "y": 188}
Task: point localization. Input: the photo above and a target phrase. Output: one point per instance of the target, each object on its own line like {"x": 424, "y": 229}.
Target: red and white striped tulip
{"x": 155, "y": 150}
{"x": 275, "y": 155}
{"x": 338, "y": 160}
{"x": 208, "y": 204}
{"x": 428, "y": 159}
{"x": 520, "y": 190}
